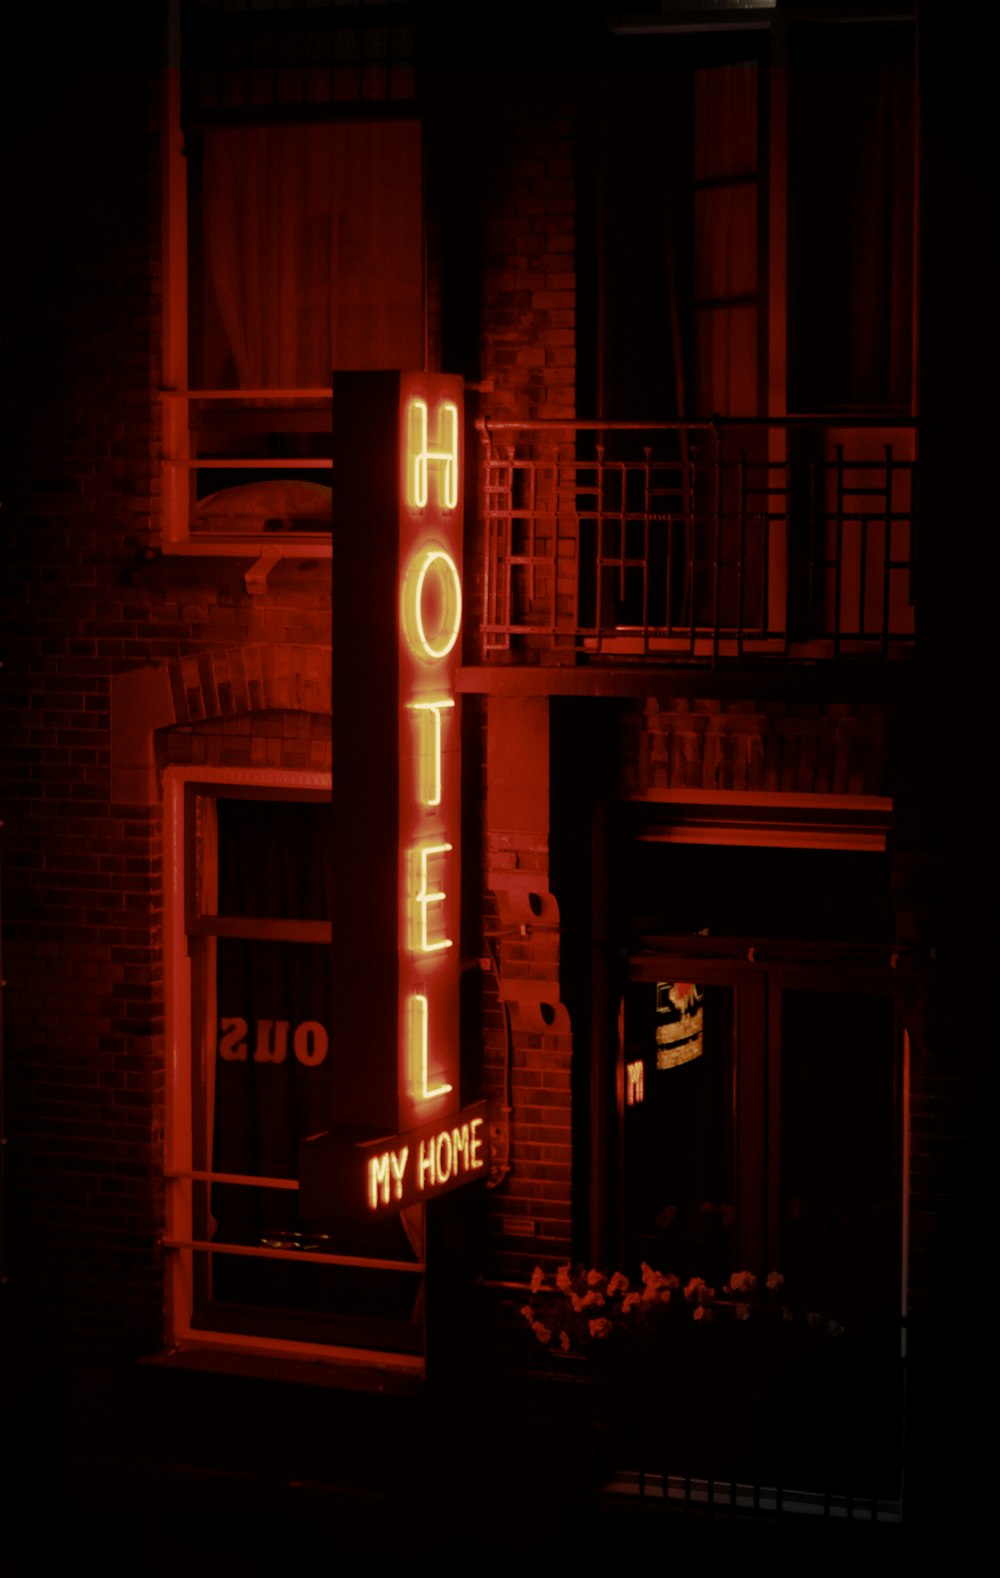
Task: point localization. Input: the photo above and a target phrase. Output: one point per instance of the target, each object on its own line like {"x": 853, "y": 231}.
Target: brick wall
{"x": 527, "y": 1039}
{"x": 777, "y": 746}
{"x": 90, "y": 613}
{"x": 81, "y": 883}
{"x": 528, "y": 364}
{"x": 528, "y": 324}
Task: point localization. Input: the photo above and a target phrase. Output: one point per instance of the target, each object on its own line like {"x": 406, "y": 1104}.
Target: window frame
{"x": 182, "y": 995}
{"x": 178, "y": 398}
{"x": 758, "y": 974}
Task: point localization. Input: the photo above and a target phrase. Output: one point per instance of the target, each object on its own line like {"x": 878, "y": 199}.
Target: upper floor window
{"x": 851, "y": 218}
{"x": 754, "y": 217}
{"x": 305, "y": 253}
{"x": 294, "y": 248}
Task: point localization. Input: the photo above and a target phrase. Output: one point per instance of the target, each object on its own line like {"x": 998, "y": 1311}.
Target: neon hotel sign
{"x": 446, "y": 1152}
{"x": 436, "y": 1146}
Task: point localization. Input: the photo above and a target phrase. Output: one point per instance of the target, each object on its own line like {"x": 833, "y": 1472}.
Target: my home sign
{"x": 387, "y": 1175}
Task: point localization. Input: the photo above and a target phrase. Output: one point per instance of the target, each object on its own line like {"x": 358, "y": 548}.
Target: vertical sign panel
{"x": 429, "y": 646}
{"x": 365, "y": 710}
{"x": 396, "y": 637}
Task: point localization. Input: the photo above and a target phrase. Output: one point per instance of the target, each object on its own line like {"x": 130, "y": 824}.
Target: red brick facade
{"x": 122, "y": 662}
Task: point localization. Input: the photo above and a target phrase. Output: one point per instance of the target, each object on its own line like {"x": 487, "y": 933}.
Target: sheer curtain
{"x": 311, "y": 252}
{"x": 725, "y": 241}
{"x": 851, "y": 202}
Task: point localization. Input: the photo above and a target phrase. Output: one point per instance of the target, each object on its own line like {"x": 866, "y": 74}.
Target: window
{"x": 778, "y": 1148}
{"x": 759, "y": 1082}
{"x": 294, "y": 250}
{"x": 851, "y": 219}
{"x": 305, "y": 252}
{"x": 754, "y": 254}
{"x": 775, "y": 1144}
{"x": 256, "y": 1069}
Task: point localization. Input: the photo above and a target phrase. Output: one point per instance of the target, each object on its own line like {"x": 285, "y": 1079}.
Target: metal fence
{"x": 701, "y": 540}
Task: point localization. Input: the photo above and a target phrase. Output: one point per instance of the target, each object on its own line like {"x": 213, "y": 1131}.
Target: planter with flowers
{"x": 685, "y": 1373}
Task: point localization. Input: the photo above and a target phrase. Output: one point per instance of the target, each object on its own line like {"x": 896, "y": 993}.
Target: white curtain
{"x": 312, "y": 252}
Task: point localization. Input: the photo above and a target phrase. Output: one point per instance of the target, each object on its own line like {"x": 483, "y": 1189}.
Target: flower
{"x": 697, "y": 1289}
{"x": 658, "y": 1279}
{"x": 580, "y": 1307}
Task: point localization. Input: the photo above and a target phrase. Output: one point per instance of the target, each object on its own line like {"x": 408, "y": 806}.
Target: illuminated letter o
{"x": 428, "y": 566}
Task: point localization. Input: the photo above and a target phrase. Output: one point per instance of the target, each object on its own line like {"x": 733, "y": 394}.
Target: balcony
{"x": 698, "y": 543}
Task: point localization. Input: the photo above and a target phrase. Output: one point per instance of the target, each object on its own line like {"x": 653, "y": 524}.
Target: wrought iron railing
{"x": 701, "y": 540}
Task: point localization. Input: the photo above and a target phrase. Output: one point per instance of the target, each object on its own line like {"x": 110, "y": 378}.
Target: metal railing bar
{"x": 615, "y": 499}
{"x": 314, "y": 1257}
{"x": 283, "y": 463}
{"x": 248, "y": 1179}
{"x": 887, "y": 549}
{"x": 839, "y": 555}
{"x": 247, "y": 394}
{"x": 700, "y": 425}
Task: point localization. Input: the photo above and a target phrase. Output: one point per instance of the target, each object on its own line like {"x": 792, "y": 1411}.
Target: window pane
{"x": 275, "y": 859}
{"x": 839, "y": 1165}
{"x": 851, "y": 200}
{"x": 299, "y": 1300}
{"x": 272, "y": 1077}
{"x": 271, "y": 1087}
{"x": 306, "y": 253}
{"x": 825, "y": 895}
{"x": 678, "y": 1133}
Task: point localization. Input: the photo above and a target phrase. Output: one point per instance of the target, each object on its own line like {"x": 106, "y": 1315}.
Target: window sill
{"x": 344, "y": 1370}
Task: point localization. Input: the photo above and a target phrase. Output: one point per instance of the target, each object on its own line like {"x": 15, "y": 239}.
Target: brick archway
{"x": 199, "y": 688}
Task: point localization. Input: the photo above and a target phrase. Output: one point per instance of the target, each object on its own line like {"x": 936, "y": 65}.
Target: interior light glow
{"x": 679, "y": 1036}
{"x": 634, "y": 1086}
{"x": 431, "y": 558}
{"x": 421, "y": 897}
{"x": 429, "y": 777}
{"x": 444, "y": 453}
{"x": 417, "y": 1017}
